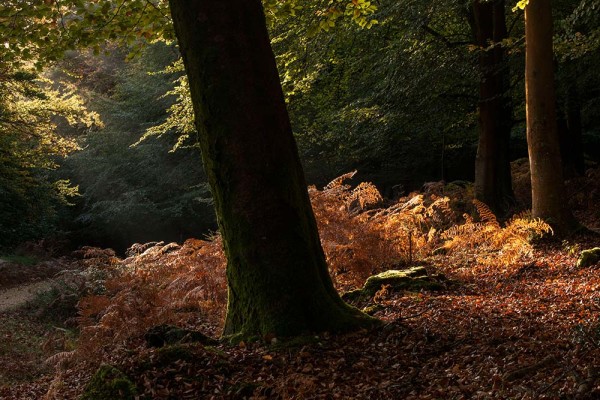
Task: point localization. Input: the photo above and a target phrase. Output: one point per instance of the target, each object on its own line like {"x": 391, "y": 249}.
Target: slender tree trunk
{"x": 277, "y": 275}
{"x": 547, "y": 186}
{"x": 493, "y": 184}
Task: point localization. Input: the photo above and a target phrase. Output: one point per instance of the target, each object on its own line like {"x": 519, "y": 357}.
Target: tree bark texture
{"x": 547, "y": 185}
{"x": 277, "y": 275}
{"x": 493, "y": 184}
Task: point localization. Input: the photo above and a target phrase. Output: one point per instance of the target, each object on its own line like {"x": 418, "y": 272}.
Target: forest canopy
{"x": 362, "y": 82}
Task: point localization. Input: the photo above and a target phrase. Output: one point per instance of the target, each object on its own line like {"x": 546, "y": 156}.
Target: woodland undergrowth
{"x": 361, "y": 234}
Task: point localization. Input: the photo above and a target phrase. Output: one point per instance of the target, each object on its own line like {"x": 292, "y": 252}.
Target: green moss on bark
{"x": 278, "y": 279}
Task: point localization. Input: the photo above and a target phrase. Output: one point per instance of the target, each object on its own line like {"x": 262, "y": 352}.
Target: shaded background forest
{"x": 99, "y": 148}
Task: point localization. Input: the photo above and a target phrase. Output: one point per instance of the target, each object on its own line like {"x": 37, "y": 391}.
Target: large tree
{"x": 493, "y": 183}
{"x": 278, "y": 278}
{"x": 547, "y": 186}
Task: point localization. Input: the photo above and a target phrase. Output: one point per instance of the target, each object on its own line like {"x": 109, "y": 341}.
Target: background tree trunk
{"x": 493, "y": 184}
{"x": 547, "y": 186}
{"x": 277, "y": 275}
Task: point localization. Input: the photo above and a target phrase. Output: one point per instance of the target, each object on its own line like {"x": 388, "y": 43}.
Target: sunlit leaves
{"x": 360, "y": 10}
{"x": 180, "y": 118}
{"x": 42, "y": 30}
{"x": 29, "y": 111}
{"x": 521, "y": 4}
{"x": 31, "y": 108}
{"x": 579, "y": 33}
{"x": 134, "y": 193}
{"x": 276, "y": 10}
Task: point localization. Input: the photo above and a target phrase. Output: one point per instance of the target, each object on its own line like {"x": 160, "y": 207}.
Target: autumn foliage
{"x": 362, "y": 234}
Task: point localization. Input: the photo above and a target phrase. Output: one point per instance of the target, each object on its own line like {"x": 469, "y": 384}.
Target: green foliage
{"x": 180, "y": 118}
{"x": 365, "y": 98}
{"x": 42, "y": 30}
{"x": 398, "y": 101}
{"x": 578, "y": 30}
{"x": 142, "y": 192}
{"x": 32, "y": 110}
{"x": 24, "y": 27}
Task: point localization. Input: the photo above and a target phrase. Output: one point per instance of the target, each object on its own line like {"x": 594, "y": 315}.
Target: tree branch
{"x": 441, "y": 37}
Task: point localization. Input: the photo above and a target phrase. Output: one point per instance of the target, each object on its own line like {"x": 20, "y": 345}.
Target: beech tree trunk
{"x": 547, "y": 185}
{"x": 493, "y": 183}
{"x": 278, "y": 279}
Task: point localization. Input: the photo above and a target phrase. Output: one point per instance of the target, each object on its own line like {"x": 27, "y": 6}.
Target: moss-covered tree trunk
{"x": 547, "y": 186}
{"x": 278, "y": 279}
{"x": 493, "y": 184}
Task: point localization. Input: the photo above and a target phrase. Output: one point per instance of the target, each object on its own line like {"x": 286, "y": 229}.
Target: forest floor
{"x": 528, "y": 332}
{"x": 27, "y": 330}
{"x": 20, "y": 295}
{"x": 497, "y": 329}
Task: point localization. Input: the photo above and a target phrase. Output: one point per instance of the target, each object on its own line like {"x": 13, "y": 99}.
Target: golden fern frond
{"x": 59, "y": 360}
{"x": 468, "y": 219}
{"x": 337, "y": 182}
{"x": 365, "y": 194}
{"x": 414, "y": 201}
{"x": 485, "y": 213}
{"x": 432, "y": 234}
{"x": 467, "y": 228}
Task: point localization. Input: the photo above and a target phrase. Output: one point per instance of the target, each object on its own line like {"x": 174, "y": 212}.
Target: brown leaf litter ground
{"x": 528, "y": 332}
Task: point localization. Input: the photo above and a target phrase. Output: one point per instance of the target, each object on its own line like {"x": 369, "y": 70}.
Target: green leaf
{"x": 520, "y": 5}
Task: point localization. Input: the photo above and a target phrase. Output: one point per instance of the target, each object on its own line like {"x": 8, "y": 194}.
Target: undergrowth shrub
{"x": 353, "y": 249}
{"x": 171, "y": 284}
{"x": 185, "y": 285}
{"x": 360, "y": 239}
{"x": 489, "y": 243}
{"x": 412, "y": 225}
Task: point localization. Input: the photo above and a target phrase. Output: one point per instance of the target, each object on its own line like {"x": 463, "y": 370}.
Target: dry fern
{"x": 489, "y": 242}
{"x": 339, "y": 181}
{"x": 186, "y": 285}
{"x": 359, "y": 240}
{"x": 363, "y": 197}
{"x": 165, "y": 284}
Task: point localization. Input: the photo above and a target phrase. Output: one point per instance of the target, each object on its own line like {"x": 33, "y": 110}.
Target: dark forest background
{"x": 398, "y": 102}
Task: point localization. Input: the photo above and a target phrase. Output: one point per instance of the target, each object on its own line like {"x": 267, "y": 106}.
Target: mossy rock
{"x": 169, "y": 354}
{"x": 413, "y": 279}
{"x": 588, "y": 257}
{"x": 109, "y": 383}
{"x": 164, "y": 335}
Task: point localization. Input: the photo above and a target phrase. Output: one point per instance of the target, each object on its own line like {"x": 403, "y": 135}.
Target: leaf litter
{"x": 529, "y": 329}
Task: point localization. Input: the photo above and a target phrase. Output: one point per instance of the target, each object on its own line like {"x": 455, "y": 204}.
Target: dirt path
{"x": 20, "y": 295}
